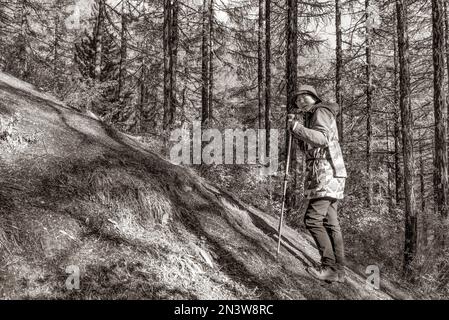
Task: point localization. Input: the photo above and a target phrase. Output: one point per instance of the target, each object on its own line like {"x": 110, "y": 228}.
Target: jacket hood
{"x": 332, "y": 107}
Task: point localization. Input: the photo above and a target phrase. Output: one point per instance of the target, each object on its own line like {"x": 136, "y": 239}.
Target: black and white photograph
{"x": 224, "y": 156}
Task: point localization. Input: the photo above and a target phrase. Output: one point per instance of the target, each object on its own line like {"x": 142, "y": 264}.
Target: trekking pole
{"x": 287, "y": 165}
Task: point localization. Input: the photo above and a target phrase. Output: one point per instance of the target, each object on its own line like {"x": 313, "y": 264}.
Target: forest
{"x": 149, "y": 67}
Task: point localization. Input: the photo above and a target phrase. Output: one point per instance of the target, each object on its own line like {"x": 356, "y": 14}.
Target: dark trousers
{"x": 322, "y": 222}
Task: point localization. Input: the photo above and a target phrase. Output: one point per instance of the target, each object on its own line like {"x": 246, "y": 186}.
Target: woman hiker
{"x": 325, "y": 180}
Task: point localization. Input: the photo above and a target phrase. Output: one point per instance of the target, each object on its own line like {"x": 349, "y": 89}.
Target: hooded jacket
{"x": 325, "y": 169}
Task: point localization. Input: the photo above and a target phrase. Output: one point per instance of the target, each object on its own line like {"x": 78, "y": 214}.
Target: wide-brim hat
{"x": 309, "y": 90}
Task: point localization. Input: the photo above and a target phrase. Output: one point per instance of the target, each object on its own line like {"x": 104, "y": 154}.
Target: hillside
{"x": 76, "y": 192}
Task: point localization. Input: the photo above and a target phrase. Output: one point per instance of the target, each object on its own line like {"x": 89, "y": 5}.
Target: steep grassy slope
{"x": 75, "y": 192}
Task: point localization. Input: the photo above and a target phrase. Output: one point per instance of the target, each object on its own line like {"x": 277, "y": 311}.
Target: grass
{"x": 137, "y": 226}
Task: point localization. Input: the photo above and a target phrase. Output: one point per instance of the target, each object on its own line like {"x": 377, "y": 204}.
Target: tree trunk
{"x": 446, "y": 44}
{"x": 446, "y": 23}
{"x": 292, "y": 78}
{"x": 211, "y": 58}
{"x": 174, "y": 40}
{"x": 338, "y": 68}
{"x": 123, "y": 48}
{"x": 267, "y": 73}
{"x": 56, "y": 76}
{"x": 397, "y": 159}
{"x": 369, "y": 99}
{"x": 205, "y": 68}
{"x": 99, "y": 40}
{"x": 423, "y": 195}
{"x": 292, "y": 51}
{"x": 143, "y": 93}
{"x": 170, "y": 43}
{"x": 410, "y": 243}
{"x": 268, "y": 94}
{"x": 397, "y": 130}
{"x": 167, "y": 47}
{"x": 23, "y": 57}
{"x": 260, "y": 62}
{"x": 441, "y": 186}
{"x": 389, "y": 195}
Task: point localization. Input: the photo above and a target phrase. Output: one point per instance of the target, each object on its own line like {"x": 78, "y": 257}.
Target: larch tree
{"x": 369, "y": 101}
{"x": 339, "y": 67}
{"x": 397, "y": 122}
{"x": 267, "y": 73}
{"x": 410, "y": 241}
{"x": 260, "y": 63}
{"x": 123, "y": 51}
{"x": 211, "y": 59}
{"x": 441, "y": 185}
{"x": 292, "y": 80}
{"x": 98, "y": 39}
{"x": 170, "y": 48}
{"x": 205, "y": 42}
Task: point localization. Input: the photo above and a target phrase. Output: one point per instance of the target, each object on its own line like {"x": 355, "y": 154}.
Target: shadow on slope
{"x": 136, "y": 225}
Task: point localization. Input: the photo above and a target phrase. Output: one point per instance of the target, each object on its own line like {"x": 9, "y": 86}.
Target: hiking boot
{"x": 324, "y": 274}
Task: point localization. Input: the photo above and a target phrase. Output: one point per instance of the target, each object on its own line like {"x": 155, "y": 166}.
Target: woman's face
{"x": 304, "y": 100}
